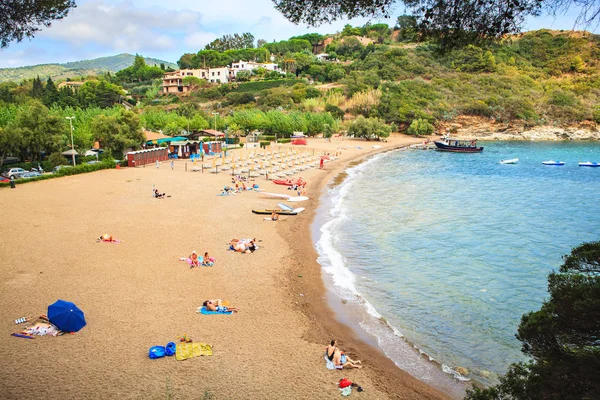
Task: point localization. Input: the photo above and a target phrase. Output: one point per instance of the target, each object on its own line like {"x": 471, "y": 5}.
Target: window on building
{"x": 219, "y": 73}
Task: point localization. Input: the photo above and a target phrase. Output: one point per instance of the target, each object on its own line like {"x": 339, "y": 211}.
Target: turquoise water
{"x": 451, "y": 249}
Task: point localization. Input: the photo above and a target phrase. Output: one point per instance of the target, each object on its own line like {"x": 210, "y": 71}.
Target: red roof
{"x": 154, "y": 135}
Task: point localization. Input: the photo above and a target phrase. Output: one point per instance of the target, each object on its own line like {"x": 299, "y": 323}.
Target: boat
{"x": 289, "y": 182}
{"x": 295, "y": 211}
{"x": 552, "y": 162}
{"x": 511, "y": 161}
{"x": 457, "y": 145}
{"x": 589, "y": 164}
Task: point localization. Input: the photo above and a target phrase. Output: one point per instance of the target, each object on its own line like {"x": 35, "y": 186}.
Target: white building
{"x": 250, "y": 65}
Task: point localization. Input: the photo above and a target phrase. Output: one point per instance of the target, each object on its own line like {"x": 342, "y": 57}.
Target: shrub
{"x": 80, "y": 169}
{"x": 264, "y": 144}
{"x": 335, "y": 111}
{"x": 284, "y": 141}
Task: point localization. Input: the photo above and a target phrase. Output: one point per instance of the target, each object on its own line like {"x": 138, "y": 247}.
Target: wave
{"x": 389, "y": 338}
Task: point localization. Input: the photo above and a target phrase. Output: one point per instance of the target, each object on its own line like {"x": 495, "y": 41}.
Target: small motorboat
{"x": 511, "y": 161}
{"x": 589, "y": 164}
{"x": 552, "y": 162}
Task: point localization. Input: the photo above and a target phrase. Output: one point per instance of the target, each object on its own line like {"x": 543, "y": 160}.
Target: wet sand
{"x": 138, "y": 294}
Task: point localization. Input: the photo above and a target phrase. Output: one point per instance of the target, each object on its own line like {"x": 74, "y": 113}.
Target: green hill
{"x": 76, "y": 68}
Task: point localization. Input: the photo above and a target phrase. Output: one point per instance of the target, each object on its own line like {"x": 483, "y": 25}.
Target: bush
{"x": 80, "y": 169}
{"x": 335, "y": 111}
{"x": 264, "y": 144}
{"x": 284, "y": 141}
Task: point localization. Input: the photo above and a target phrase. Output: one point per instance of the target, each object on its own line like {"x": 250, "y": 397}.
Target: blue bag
{"x": 156, "y": 352}
{"x": 170, "y": 349}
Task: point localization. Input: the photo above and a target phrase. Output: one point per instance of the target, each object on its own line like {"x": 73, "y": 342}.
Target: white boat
{"x": 589, "y": 164}
{"x": 511, "y": 161}
{"x": 423, "y": 146}
{"x": 552, "y": 162}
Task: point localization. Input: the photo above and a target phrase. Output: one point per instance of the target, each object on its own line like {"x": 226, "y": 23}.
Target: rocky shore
{"x": 486, "y": 129}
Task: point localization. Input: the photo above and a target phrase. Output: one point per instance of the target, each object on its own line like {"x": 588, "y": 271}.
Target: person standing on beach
{"x": 321, "y": 163}
{"x": 172, "y": 165}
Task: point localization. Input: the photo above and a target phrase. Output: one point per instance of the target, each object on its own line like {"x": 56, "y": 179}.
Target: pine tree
{"x": 50, "y": 93}
{"x": 37, "y": 90}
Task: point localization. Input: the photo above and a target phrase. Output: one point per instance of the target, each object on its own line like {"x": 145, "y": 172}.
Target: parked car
{"x": 30, "y": 174}
{"x": 15, "y": 173}
{"x": 3, "y": 179}
{"x": 93, "y": 152}
{"x": 59, "y": 167}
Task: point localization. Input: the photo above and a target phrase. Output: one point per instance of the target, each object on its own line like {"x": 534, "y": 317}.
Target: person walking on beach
{"x": 157, "y": 164}
{"x": 321, "y": 163}
{"x": 172, "y": 165}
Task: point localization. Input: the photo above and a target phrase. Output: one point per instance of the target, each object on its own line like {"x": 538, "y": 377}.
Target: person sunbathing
{"x": 274, "y": 216}
{"x": 215, "y": 305}
{"x": 107, "y": 238}
{"x": 194, "y": 258}
{"x": 158, "y": 195}
{"x": 208, "y": 261}
{"x": 339, "y": 358}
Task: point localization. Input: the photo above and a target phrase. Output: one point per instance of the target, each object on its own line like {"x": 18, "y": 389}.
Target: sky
{"x": 168, "y": 29}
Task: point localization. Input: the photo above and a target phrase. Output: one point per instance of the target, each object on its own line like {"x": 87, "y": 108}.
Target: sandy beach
{"x": 138, "y": 294}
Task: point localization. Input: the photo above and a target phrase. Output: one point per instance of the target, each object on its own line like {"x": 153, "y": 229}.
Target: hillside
{"x": 76, "y": 68}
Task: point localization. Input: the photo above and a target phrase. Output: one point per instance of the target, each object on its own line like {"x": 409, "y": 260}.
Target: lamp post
{"x": 215, "y": 114}
{"x": 72, "y": 144}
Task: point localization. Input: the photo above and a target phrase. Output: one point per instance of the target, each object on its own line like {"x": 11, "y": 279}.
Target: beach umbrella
{"x": 325, "y": 157}
{"x": 66, "y": 316}
{"x": 215, "y": 163}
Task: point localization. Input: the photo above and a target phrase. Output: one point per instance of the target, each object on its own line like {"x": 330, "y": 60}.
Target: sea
{"x": 434, "y": 257}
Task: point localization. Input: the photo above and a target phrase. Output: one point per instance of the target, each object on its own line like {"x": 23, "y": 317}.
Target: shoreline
{"x": 138, "y": 294}
{"x": 382, "y": 370}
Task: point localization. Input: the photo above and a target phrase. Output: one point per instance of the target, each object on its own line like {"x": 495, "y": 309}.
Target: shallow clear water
{"x": 451, "y": 249}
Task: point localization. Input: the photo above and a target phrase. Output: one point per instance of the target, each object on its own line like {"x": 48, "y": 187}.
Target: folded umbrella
{"x": 66, "y": 316}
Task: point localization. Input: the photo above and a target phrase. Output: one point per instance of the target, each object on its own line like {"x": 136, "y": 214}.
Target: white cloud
{"x": 198, "y": 40}
{"x": 121, "y": 25}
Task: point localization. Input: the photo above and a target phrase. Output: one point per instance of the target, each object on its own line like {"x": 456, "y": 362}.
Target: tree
{"x": 35, "y": 131}
{"x": 451, "y": 23}
{"x": 37, "y": 89}
{"x": 51, "y": 95}
{"x": 117, "y": 133}
{"x": 232, "y": 42}
{"x": 243, "y": 76}
{"x": 9, "y": 143}
{"x": 22, "y": 19}
{"x": 420, "y": 127}
{"x": 260, "y": 43}
{"x": 561, "y": 338}
{"x": 100, "y": 93}
{"x": 369, "y": 128}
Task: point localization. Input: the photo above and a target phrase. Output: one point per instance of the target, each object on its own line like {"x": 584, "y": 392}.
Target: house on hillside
{"x": 173, "y": 81}
{"x": 250, "y": 65}
{"x": 322, "y": 57}
{"x": 72, "y": 85}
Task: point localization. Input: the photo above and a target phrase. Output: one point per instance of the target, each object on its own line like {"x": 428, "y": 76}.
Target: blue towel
{"x": 328, "y": 363}
{"x": 204, "y": 311}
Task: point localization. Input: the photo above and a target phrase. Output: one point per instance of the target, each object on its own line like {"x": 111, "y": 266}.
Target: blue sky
{"x": 168, "y": 29}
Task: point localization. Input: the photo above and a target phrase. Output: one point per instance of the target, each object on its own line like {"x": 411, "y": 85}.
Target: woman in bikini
{"x": 340, "y": 359}
{"x": 215, "y": 305}
{"x": 194, "y": 258}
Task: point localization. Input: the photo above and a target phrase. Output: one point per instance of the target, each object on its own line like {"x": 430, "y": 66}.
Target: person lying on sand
{"x": 158, "y": 195}
{"x": 339, "y": 358}
{"x": 274, "y": 216}
{"x": 108, "y": 238}
{"x": 243, "y": 245}
{"x": 215, "y": 305}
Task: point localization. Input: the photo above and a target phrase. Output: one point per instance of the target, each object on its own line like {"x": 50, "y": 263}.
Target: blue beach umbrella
{"x": 66, "y": 316}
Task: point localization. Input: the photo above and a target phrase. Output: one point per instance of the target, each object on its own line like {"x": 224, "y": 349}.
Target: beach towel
{"x": 328, "y": 363}
{"x": 203, "y": 310}
{"x": 190, "y": 350}
{"x": 40, "y": 327}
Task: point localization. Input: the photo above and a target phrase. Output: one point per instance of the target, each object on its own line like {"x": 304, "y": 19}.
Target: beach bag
{"x": 156, "y": 352}
{"x": 345, "y": 382}
{"x": 170, "y": 349}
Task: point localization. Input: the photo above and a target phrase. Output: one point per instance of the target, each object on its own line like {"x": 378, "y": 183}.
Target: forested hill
{"x": 76, "y": 68}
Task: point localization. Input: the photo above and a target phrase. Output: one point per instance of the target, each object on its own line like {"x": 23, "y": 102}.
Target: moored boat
{"x": 457, "y": 145}
{"x": 280, "y": 212}
{"x": 589, "y": 164}
{"x": 511, "y": 161}
{"x": 552, "y": 162}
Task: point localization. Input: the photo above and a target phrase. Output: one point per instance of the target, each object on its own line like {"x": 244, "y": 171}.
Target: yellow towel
{"x": 189, "y": 350}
